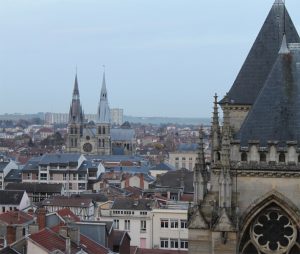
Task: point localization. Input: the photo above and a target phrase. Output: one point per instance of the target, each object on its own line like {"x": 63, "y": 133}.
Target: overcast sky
{"x": 162, "y": 57}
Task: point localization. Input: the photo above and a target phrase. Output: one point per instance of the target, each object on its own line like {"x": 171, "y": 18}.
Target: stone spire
{"x": 284, "y": 47}
{"x": 103, "y": 113}
{"x": 215, "y": 132}
{"x": 225, "y": 181}
{"x": 76, "y": 114}
{"x": 200, "y": 174}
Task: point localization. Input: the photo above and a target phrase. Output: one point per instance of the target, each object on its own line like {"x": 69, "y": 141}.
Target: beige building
{"x": 252, "y": 203}
{"x": 183, "y": 159}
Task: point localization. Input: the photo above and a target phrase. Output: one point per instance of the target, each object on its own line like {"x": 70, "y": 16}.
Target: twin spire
{"x": 76, "y": 114}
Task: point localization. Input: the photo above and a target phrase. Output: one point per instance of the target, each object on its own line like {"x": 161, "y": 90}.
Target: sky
{"x": 162, "y": 57}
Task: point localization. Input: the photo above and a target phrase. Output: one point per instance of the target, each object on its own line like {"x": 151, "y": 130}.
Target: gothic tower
{"x": 103, "y": 123}
{"x": 76, "y": 120}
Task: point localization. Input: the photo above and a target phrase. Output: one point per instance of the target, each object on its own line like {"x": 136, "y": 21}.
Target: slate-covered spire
{"x": 200, "y": 174}
{"x": 225, "y": 182}
{"x": 262, "y": 55}
{"x": 103, "y": 112}
{"x": 76, "y": 114}
{"x": 275, "y": 116}
{"x": 215, "y": 132}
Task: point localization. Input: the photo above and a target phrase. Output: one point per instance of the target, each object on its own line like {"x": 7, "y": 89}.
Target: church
{"x": 248, "y": 201}
{"x": 97, "y": 138}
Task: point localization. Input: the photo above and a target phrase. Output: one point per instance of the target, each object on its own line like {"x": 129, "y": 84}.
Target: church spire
{"x": 76, "y": 113}
{"x": 103, "y": 113}
{"x": 200, "y": 176}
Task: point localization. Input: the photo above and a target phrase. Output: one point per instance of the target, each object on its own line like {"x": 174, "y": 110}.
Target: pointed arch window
{"x": 103, "y": 130}
{"x": 244, "y": 156}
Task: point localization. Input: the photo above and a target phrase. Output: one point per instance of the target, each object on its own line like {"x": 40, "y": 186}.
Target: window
{"x": 43, "y": 176}
{"x": 177, "y": 165}
{"x": 183, "y": 164}
{"x": 65, "y": 177}
{"x": 74, "y": 177}
{"x": 143, "y": 213}
{"x": 10, "y": 208}
{"x": 183, "y": 158}
{"x": 174, "y": 243}
{"x": 190, "y": 158}
{"x": 184, "y": 244}
{"x": 177, "y": 159}
{"x": 281, "y": 157}
{"x": 70, "y": 186}
{"x": 174, "y": 223}
{"x": 116, "y": 224}
{"x": 143, "y": 226}
{"x": 262, "y": 157}
{"x": 103, "y": 129}
{"x": 81, "y": 186}
{"x": 51, "y": 176}
{"x": 164, "y": 223}
{"x": 164, "y": 243}
{"x": 127, "y": 225}
{"x": 3, "y": 209}
{"x": 190, "y": 166}
{"x": 28, "y": 176}
{"x": 81, "y": 177}
{"x": 183, "y": 224}
{"x": 244, "y": 156}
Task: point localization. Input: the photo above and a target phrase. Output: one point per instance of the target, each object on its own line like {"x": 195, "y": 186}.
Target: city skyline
{"x": 160, "y": 57}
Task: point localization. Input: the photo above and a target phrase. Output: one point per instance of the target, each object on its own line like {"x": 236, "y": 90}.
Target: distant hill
{"x": 166, "y": 120}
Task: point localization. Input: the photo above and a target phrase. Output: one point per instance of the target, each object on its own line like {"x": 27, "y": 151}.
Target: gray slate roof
{"x": 262, "y": 56}
{"x": 119, "y": 134}
{"x": 11, "y": 197}
{"x": 14, "y": 175}
{"x": 276, "y": 113}
{"x": 131, "y": 204}
{"x": 36, "y": 187}
{"x": 3, "y": 165}
{"x": 172, "y": 179}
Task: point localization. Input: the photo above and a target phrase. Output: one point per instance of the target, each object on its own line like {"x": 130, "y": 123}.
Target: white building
{"x": 116, "y": 115}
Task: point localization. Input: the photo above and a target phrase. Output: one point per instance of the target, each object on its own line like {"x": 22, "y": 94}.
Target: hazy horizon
{"x": 162, "y": 58}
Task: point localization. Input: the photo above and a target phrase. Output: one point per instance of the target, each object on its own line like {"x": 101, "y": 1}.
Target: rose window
{"x": 273, "y": 232}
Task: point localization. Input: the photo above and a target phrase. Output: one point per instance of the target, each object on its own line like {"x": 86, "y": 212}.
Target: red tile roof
{"x": 66, "y": 212}
{"x": 15, "y": 217}
{"x": 50, "y": 240}
{"x": 68, "y": 202}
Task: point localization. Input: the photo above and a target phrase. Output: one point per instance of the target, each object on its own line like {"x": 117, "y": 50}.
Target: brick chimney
{"x": 142, "y": 182}
{"x": 10, "y": 234}
{"x": 41, "y": 218}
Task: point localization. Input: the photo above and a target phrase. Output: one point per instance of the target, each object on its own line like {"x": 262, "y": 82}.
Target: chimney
{"x": 74, "y": 234}
{"x": 41, "y": 218}
{"x": 10, "y": 234}
{"x": 68, "y": 245}
{"x": 142, "y": 183}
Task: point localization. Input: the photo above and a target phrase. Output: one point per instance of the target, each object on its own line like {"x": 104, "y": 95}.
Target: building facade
{"x": 252, "y": 205}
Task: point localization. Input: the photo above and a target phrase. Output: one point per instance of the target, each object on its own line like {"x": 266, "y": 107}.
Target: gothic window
{"x": 273, "y": 231}
{"x": 103, "y": 142}
{"x": 103, "y": 129}
{"x": 99, "y": 143}
{"x": 263, "y": 157}
{"x": 218, "y": 156}
{"x": 298, "y": 158}
{"x": 99, "y": 130}
{"x": 75, "y": 142}
{"x": 244, "y": 156}
{"x": 281, "y": 157}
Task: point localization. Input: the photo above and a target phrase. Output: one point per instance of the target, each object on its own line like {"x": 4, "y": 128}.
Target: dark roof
{"x": 8, "y": 250}
{"x": 173, "y": 179}
{"x": 97, "y": 197}
{"x": 14, "y": 175}
{"x": 119, "y": 236}
{"x": 275, "y": 116}
{"x": 67, "y": 202}
{"x": 262, "y": 56}
{"x": 11, "y": 197}
{"x": 36, "y": 187}
{"x": 132, "y": 204}
{"x": 160, "y": 251}
{"x": 59, "y": 158}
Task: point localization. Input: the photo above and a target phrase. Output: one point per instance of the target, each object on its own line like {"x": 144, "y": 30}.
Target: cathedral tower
{"x": 76, "y": 120}
{"x": 103, "y": 123}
